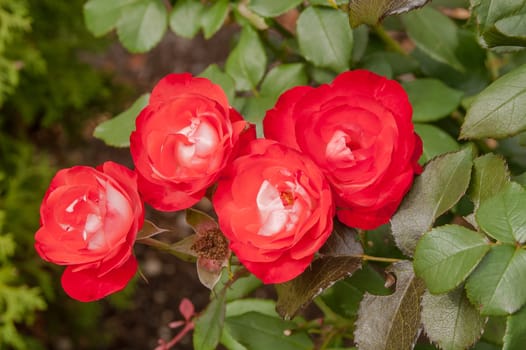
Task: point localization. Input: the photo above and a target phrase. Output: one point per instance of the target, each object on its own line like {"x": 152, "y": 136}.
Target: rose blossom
{"x": 358, "y": 130}
{"x": 89, "y": 221}
{"x": 183, "y": 140}
{"x": 275, "y": 207}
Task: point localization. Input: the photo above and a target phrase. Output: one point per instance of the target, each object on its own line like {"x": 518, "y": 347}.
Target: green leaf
{"x": 373, "y": 11}
{"x": 393, "y": 321}
{"x": 435, "y": 34}
{"x": 503, "y": 216}
{"x": 443, "y": 182}
{"x": 515, "y": 336}
{"x": 473, "y": 58}
{"x": 116, "y": 131}
{"x": 143, "y": 25}
{"x": 337, "y": 260}
{"x": 343, "y": 299}
{"x": 257, "y": 331}
{"x": 500, "y": 22}
{"x": 247, "y": 61}
{"x": 325, "y": 38}
{"x": 450, "y": 320}
{"x": 498, "y": 111}
{"x": 435, "y": 140}
{"x": 255, "y": 108}
{"x": 496, "y": 286}
{"x": 217, "y": 76}
{"x": 209, "y": 324}
{"x": 494, "y": 330}
{"x": 431, "y": 99}
{"x": 490, "y": 175}
{"x": 242, "y": 306}
{"x": 446, "y": 255}
{"x": 283, "y": 77}
{"x": 185, "y": 18}
{"x": 101, "y": 16}
{"x": 272, "y": 8}
{"x": 213, "y": 18}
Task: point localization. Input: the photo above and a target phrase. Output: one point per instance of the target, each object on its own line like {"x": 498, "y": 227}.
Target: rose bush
{"x": 276, "y": 208}
{"x": 358, "y": 130}
{"x": 89, "y": 221}
{"x": 183, "y": 140}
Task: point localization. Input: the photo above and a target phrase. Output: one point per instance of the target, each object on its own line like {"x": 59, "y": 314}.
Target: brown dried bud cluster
{"x": 211, "y": 244}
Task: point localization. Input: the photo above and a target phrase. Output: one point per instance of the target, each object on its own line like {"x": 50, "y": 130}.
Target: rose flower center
{"x": 279, "y": 208}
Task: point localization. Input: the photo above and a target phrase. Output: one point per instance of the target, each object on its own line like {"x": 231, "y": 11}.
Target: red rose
{"x": 183, "y": 140}
{"x": 89, "y": 221}
{"x": 358, "y": 130}
{"x": 275, "y": 207}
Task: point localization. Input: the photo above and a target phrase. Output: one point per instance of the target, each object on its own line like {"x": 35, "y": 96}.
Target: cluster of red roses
{"x": 346, "y": 148}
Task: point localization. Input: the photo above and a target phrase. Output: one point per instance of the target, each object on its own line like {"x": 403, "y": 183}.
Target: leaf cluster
{"x": 457, "y": 239}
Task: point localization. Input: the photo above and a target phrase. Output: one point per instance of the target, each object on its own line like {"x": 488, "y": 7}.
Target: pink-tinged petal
{"x": 86, "y": 285}
{"x": 279, "y": 122}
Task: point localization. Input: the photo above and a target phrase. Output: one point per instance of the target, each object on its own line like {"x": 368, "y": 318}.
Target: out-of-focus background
{"x": 57, "y": 82}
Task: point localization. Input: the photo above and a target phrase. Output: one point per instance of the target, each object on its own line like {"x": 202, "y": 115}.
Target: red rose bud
{"x": 89, "y": 221}
{"x": 358, "y": 130}
{"x": 183, "y": 140}
{"x": 275, "y": 207}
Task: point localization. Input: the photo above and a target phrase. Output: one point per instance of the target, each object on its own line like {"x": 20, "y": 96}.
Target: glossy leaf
{"x": 325, "y": 38}
{"x": 337, "y": 260}
{"x": 435, "y": 34}
{"x": 283, "y": 77}
{"x": 272, "y": 8}
{"x": 444, "y": 181}
{"x": 143, "y": 25}
{"x": 496, "y": 286}
{"x": 446, "y": 255}
{"x": 393, "y": 321}
{"x": 431, "y": 99}
{"x": 503, "y": 216}
{"x": 185, "y": 18}
{"x": 515, "y": 336}
{"x": 500, "y": 22}
{"x": 451, "y": 321}
{"x": 498, "y": 111}
{"x": 213, "y": 17}
{"x": 373, "y": 11}
{"x": 247, "y": 62}
{"x": 435, "y": 140}
{"x": 101, "y": 16}
{"x": 490, "y": 175}
{"x": 209, "y": 324}
{"x": 258, "y": 331}
{"x": 116, "y": 131}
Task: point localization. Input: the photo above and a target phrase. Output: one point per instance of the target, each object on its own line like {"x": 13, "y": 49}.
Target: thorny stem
{"x": 388, "y": 40}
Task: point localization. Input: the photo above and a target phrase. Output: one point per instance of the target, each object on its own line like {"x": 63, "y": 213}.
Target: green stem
{"x": 388, "y": 40}
{"x": 366, "y": 257}
{"x": 165, "y": 247}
